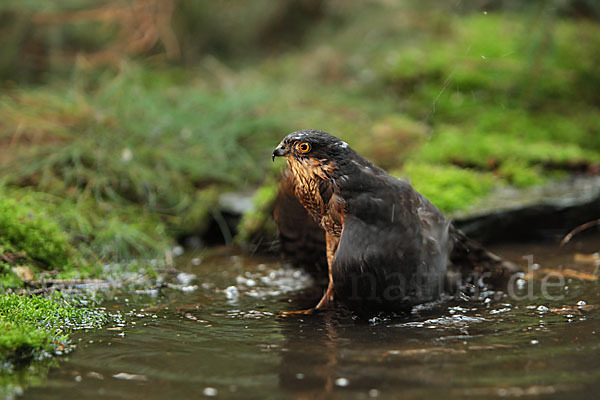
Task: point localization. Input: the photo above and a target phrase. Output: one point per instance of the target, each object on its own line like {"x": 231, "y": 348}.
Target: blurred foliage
{"x": 137, "y": 138}
{"x": 257, "y": 224}
{"x": 133, "y": 139}
{"x": 128, "y": 118}
{"x": 39, "y": 37}
{"x": 89, "y": 231}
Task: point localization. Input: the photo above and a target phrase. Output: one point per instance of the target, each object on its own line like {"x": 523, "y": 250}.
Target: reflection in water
{"x": 524, "y": 349}
{"x": 315, "y": 376}
{"x": 225, "y": 340}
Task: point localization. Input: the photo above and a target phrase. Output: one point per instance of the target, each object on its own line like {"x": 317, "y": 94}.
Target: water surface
{"x": 224, "y": 340}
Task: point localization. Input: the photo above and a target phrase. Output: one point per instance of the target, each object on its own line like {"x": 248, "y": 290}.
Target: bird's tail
{"x": 477, "y": 266}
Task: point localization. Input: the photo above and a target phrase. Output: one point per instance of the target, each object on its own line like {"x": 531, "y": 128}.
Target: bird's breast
{"x": 311, "y": 183}
{"x": 306, "y": 188}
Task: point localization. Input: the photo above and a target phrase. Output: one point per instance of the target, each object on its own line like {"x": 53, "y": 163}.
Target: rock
{"x": 549, "y": 210}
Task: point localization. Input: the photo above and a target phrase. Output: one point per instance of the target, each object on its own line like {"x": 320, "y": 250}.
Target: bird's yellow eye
{"x": 304, "y": 147}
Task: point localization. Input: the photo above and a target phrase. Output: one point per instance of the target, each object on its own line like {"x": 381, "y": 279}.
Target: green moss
{"x": 8, "y": 279}
{"x": 520, "y": 174}
{"x": 88, "y": 230}
{"x": 515, "y": 58}
{"x": 448, "y": 187}
{"x": 488, "y": 150}
{"x": 35, "y": 327}
{"x": 36, "y": 235}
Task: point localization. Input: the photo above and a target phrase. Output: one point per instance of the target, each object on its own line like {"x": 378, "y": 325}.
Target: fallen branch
{"x": 66, "y": 282}
{"x": 577, "y": 230}
{"x": 46, "y": 290}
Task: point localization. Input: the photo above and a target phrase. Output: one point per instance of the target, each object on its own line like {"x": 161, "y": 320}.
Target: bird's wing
{"x": 301, "y": 239}
{"x": 393, "y": 249}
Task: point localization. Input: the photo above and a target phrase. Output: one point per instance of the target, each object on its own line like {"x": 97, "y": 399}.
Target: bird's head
{"x": 321, "y": 165}
{"x": 312, "y": 153}
{"x": 311, "y": 146}
{"x": 315, "y": 159}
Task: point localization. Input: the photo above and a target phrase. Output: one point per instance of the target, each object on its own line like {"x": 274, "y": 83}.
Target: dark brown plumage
{"x": 387, "y": 247}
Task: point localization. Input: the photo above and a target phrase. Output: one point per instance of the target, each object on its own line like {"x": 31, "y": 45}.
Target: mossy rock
{"x": 34, "y": 234}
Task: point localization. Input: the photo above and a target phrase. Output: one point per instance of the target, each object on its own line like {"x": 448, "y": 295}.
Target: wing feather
{"x": 393, "y": 251}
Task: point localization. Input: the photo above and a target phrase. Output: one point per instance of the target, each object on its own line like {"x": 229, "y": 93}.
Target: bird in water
{"x": 385, "y": 246}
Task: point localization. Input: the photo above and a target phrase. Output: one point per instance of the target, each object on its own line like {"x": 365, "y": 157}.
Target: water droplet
{"x": 342, "y": 382}
{"x": 500, "y": 310}
{"x": 232, "y": 292}
{"x": 130, "y": 377}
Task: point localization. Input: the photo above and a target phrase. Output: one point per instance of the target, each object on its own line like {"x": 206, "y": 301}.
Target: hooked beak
{"x": 279, "y": 152}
